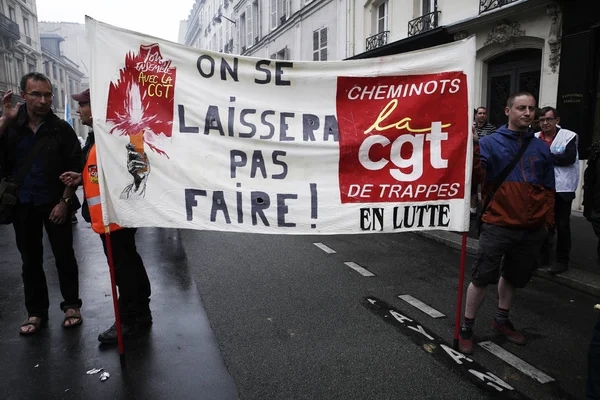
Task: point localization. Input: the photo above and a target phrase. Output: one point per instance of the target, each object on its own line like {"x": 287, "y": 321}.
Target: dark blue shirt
{"x": 35, "y": 188}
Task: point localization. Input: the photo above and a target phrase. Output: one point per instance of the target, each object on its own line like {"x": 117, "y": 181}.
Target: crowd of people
{"x": 528, "y": 172}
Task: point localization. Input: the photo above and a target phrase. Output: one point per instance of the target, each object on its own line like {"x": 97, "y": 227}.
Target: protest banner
{"x": 194, "y": 139}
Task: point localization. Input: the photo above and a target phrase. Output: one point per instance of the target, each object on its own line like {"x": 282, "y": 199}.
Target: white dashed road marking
{"x": 326, "y": 249}
{"x": 432, "y": 312}
{"x": 516, "y": 362}
{"x": 359, "y": 269}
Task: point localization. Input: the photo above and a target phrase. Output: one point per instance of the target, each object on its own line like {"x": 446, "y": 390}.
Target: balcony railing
{"x": 488, "y": 5}
{"x": 9, "y": 27}
{"x": 423, "y": 23}
{"x": 378, "y": 40}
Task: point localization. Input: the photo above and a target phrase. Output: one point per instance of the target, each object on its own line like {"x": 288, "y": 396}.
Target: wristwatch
{"x": 66, "y": 200}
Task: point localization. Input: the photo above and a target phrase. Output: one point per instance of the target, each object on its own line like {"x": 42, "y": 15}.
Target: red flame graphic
{"x": 142, "y": 99}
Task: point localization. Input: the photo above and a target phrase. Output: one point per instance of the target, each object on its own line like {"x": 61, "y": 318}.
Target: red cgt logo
{"x": 402, "y": 138}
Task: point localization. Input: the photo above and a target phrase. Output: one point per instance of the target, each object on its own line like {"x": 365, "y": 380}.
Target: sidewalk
{"x": 583, "y": 273}
{"x": 178, "y": 358}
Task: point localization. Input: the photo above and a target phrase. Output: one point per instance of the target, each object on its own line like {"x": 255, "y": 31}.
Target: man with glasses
{"x": 44, "y": 201}
{"x": 563, "y": 146}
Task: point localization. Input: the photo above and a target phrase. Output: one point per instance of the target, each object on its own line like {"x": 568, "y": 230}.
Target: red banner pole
{"x": 463, "y": 257}
{"x": 111, "y": 267}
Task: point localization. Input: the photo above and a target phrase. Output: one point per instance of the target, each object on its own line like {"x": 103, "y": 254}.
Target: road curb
{"x": 579, "y": 280}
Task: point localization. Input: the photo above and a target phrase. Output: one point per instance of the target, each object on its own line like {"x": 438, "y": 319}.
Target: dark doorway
{"x": 512, "y": 72}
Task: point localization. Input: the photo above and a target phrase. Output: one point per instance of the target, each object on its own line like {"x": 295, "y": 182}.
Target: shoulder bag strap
{"x": 28, "y": 163}
{"x": 505, "y": 173}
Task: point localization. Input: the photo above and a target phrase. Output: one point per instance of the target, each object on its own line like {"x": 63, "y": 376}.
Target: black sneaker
{"x": 109, "y": 336}
{"x": 558, "y": 268}
{"x": 145, "y": 318}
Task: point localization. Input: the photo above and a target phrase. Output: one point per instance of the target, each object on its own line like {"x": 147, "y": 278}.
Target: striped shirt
{"x": 485, "y": 130}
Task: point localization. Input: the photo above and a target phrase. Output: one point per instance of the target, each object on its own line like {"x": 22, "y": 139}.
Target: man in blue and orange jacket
{"x": 516, "y": 220}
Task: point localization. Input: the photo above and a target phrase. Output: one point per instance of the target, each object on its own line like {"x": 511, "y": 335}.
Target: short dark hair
{"x": 511, "y": 99}
{"x": 546, "y": 109}
{"x": 479, "y": 108}
{"x": 36, "y": 76}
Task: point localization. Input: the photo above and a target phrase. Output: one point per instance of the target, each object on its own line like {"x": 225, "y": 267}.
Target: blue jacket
{"x": 526, "y": 197}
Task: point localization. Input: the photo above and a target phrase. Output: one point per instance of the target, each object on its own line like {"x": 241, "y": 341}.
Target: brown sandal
{"x": 76, "y": 316}
{"x": 37, "y": 325}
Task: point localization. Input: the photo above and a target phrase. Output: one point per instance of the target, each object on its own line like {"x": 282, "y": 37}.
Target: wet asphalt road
{"x": 290, "y": 322}
{"x": 275, "y": 317}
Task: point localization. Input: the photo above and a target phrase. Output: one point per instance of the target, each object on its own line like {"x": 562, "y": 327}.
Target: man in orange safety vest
{"x": 130, "y": 273}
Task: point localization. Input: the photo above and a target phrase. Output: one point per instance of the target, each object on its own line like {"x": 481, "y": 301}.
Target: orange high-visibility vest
{"x": 91, "y": 190}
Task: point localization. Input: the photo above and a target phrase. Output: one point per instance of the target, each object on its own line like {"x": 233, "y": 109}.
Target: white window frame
{"x": 255, "y": 20}
{"x": 26, "y": 26}
{"x": 317, "y": 51}
{"x": 273, "y": 14}
{"x": 386, "y": 10}
{"x": 279, "y": 8}
{"x": 249, "y": 26}
{"x": 242, "y": 32}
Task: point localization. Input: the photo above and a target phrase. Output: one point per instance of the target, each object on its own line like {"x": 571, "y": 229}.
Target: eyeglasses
{"x": 547, "y": 120}
{"x": 38, "y": 95}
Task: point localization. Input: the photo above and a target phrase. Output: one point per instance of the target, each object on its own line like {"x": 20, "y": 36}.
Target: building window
{"x": 253, "y": 9}
{"x": 31, "y": 68}
{"x": 320, "y": 45}
{"x": 47, "y": 68}
{"x": 53, "y": 71}
{"x": 26, "y": 27}
{"x": 249, "y": 25}
{"x": 60, "y": 71}
{"x": 283, "y": 54}
{"x": 280, "y": 12}
{"x": 243, "y": 35}
{"x": 229, "y": 38}
{"x": 12, "y": 14}
{"x": 3, "y": 74}
{"x": 427, "y": 6}
{"x": 382, "y": 17}
{"x": 20, "y": 71}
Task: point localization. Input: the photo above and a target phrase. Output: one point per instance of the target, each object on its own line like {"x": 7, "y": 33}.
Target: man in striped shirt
{"x": 483, "y": 128}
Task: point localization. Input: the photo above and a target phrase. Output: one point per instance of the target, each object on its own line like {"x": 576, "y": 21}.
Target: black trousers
{"x": 562, "y": 230}
{"x": 130, "y": 274}
{"x": 593, "y": 381}
{"x": 28, "y": 224}
{"x": 594, "y": 218}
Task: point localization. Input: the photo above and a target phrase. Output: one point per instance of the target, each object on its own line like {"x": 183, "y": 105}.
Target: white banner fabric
{"x": 194, "y": 139}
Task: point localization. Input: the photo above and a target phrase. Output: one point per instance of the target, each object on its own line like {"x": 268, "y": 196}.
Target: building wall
{"x": 73, "y": 60}
{"x": 19, "y": 56}
{"x": 292, "y": 38}
{"x": 74, "y": 46}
